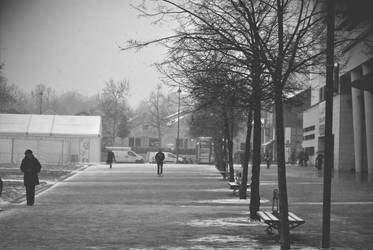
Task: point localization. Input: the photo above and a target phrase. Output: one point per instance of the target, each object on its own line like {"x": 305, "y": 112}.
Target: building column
{"x": 368, "y": 102}
{"x": 358, "y": 120}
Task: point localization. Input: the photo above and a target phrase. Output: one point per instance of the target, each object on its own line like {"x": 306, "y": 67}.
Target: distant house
{"x": 143, "y": 135}
{"x": 54, "y": 139}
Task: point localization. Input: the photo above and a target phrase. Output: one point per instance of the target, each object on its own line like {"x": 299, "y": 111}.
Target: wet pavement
{"x": 190, "y": 207}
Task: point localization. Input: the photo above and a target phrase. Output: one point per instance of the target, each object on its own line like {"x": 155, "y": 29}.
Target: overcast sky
{"x": 71, "y": 45}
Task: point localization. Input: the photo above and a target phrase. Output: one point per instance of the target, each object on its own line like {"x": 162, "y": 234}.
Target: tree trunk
{"x": 225, "y": 153}
{"x": 219, "y": 162}
{"x": 228, "y": 136}
{"x": 284, "y": 225}
{"x": 281, "y": 170}
{"x": 114, "y": 130}
{"x": 159, "y": 136}
{"x": 245, "y": 163}
{"x": 255, "y": 177}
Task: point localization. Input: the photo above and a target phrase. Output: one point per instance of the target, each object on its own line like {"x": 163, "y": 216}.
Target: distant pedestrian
{"x": 159, "y": 158}
{"x": 30, "y": 167}
{"x": 110, "y": 158}
{"x": 306, "y": 158}
{"x": 301, "y": 158}
{"x": 319, "y": 161}
{"x": 267, "y": 159}
{"x": 1, "y": 186}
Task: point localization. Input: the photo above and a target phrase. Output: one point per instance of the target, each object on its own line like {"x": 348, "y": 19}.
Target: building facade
{"x": 143, "y": 135}
{"x": 353, "y": 95}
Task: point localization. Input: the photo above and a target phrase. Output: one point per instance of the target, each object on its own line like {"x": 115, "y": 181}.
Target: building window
{"x": 322, "y": 130}
{"x": 310, "y": 150}
{"x": 322, "y": 94}
{"x": 310, "y": 128}
{"x": 243, "y": 146}
{"x": 309, "y": 137}
{"x": 137, "y": 142}
{"x": 131, "y": 142}
{"x": 154, "y": 142}
{"x": 180, "y": 143}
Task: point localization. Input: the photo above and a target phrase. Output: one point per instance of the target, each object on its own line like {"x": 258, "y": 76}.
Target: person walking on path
{"x": 110, "y": 158}
{"x": 30, "y": 167}
{"x": 159, "y": 158}
{"x": 267, "y": 159}
{"x": 319, "y": 161}
{"x": 301, "y": 158}
{"x": 306, "y": 158}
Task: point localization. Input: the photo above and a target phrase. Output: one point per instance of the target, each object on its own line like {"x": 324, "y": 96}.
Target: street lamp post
{"x": 328, "y": 125}
{"x": 178, "y": 126}
{"x": 41, "y": 102}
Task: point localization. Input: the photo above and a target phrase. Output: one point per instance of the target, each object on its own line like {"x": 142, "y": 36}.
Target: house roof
{"x": 57, "y": 125}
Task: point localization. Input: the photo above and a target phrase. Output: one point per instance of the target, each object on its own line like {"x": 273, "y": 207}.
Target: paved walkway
{"x": 190, "y": 207}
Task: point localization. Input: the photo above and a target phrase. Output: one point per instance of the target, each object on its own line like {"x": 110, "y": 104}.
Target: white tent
{"x": 54, "y": 139}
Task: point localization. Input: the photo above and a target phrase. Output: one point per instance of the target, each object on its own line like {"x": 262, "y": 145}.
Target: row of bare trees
{"x": 237, "y": 58}
{"x": 111, "y": 104}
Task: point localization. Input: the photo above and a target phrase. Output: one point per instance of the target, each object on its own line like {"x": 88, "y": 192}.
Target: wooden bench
{"x": 235, "y": 186}
{"x": 273, "y": 221}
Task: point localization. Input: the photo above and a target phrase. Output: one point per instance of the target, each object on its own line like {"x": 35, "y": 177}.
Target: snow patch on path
{"x": 217, "y": 238}
{"x": 231, "y": 201}
{"x": 225, "y": 222}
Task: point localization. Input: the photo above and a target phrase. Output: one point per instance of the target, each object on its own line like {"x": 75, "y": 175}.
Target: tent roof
{"x": 50, "y": 125}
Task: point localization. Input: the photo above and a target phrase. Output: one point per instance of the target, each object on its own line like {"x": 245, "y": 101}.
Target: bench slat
{"x": 267, "y": 216}
{"x": 272, "y": 217}
{"x": 263, "y": 216}
{"x": 291, "y": 219}
{"x": 296, "y": 218}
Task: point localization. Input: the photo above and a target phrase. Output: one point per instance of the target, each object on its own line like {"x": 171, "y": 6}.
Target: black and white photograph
{"x": 186, "y": 124}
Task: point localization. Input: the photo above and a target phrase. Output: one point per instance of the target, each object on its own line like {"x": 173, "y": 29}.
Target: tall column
{"x": 358, "y": 119}
{"x": 368, "y": 102}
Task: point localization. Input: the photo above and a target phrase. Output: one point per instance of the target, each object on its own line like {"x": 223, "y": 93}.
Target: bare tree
{"x": 271, "y": 40}
{"x": 158, "y": 108}
{"x": 112, "y": 103}
{"x": 295, "y": 33}
{"x": 7, "y": 98}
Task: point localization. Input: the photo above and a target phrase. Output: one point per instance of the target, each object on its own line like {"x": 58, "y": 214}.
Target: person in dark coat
{"x": 30, "y": 167}
{"x": 319, "y": 161}
{"x": 159, "y": 158}
{"x": 306, "y": 158}
{"x": 301, "y": 158}
{"x": 110, "y": 158}
{"x": 267, "y": 159}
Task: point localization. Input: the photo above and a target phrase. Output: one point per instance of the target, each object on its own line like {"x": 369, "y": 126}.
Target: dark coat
{"x": 30, "y": 168}
{"x": 110, "y": 157}
{"x": 159, "y": 157}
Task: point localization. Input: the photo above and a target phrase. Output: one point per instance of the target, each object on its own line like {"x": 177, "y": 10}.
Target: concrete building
{"x": 353, "y": 95}
{"x": 54, "y": 139}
